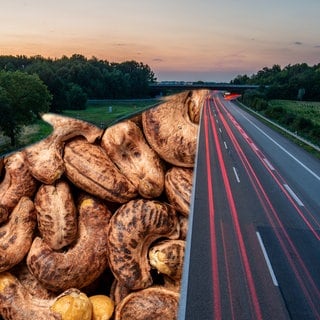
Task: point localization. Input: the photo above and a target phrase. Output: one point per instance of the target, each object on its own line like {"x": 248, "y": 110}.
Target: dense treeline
{"x": 72, "y": 80}
{"x": 293, "y": 82}
{"x": 30, "y": 86}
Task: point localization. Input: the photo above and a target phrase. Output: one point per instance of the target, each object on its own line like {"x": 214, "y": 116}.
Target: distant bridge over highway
{"x": 236, "y": 88}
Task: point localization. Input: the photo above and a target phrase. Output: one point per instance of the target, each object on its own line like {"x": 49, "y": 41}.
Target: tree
{"x": 23, "y": 98}
{"x": 77, "y": 98}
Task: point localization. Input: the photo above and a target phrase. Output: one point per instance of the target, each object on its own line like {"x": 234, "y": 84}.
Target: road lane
{"x": 265, "y": 242}
{"x": 302, "y": 301}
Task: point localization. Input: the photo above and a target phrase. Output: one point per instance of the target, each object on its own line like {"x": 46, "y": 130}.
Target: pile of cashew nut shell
{"x": 89, "y": 212}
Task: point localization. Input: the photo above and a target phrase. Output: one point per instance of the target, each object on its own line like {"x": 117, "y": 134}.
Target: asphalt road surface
{"x": 253, "y": 245}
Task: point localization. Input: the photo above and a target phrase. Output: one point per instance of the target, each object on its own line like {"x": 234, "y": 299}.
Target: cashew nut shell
{"x": 89, "y": 168}
{"x": 84, "y": 261}
{"x": 128, "y": 149}
{"x": 17, "y": 182}
{"x": 16, "y": 235}
{"x": 56, "y": 214}
{"x": 178, "y": 187}
{"x": 170, "y": 132}
{"x": 152, "y": 303}
{"x": 132, "y": 229}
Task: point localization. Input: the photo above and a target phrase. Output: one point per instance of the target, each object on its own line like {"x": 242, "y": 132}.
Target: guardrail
{"x": 295, "y": 135}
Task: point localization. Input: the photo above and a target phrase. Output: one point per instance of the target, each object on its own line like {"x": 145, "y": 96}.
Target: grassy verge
{"x": 299, "y": 109}
{"x": 101, "y": 113}
{"x": 307, "y": 109}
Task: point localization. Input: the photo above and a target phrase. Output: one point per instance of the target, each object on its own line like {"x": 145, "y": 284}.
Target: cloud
{"x": 297, "y": 43}
{"x": 157, "y": 60}
{"x": 317, "y": 46}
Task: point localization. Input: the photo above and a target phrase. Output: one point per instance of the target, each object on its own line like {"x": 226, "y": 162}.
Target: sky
{"x": 186, "y": 40}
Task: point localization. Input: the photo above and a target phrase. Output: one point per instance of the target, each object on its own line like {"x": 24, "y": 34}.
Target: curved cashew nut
{"x": 128, "y": 149}
{"x": 16, "y": 235}
{"x": 66, "y": 128}
{"x": 17, "y": 303}
{"x": 30, "y": 282}
{"x": 84, "y": 261}
{"x": 178, "y": 187}
{"x": 17, "y": 183}
{"x": 159, "y": 302}
{"x": 132, "y": 229}
{"x": 90, "y": 169}
{"x": 167, "y": 257}
{"x": 170, "y": 132}
{"x": 56, "y": 214}
{"x": 45, "y": 157}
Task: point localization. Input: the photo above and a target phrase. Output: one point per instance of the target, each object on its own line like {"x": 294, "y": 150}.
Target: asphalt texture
{"x": 253, "y": 243}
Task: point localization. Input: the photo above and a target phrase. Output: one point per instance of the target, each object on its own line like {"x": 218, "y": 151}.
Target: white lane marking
{"x": 225, "y": 145}
{"x": 266, "y": 257}
{"x": 217, "y": 121}
{"x": 236, "y": 174}
{"x": 283, "y": 149}
{"x": 294, "y": 196}
{"x": 268, "y": 164}
{"x": 220, "y": 130}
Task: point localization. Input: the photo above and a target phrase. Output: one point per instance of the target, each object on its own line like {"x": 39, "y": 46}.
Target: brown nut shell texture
{"x": 132, "y": 229}
{"x": 170, "y": 131}
{"x": 16, "y": 302}
{"x": 66, "y": 128}
{"x": 89, "y": 168}
{"x": 178, "y": 187}
{"x": 17, "y": 234}
{"x": 45, "y": 157}
{"x": 84, "y": 261}
{"x": 56, "y": 214}
{"x": 167, "y": 257}
{"x": 128, "y": 149}
{"x": 154, "y": 303}
{"x": 17, "y": 182}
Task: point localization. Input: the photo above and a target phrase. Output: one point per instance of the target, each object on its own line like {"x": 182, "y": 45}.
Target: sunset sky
{"x": 189, "y": 40}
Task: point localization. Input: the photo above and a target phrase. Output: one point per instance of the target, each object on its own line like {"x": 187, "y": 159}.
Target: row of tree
{"x": 72, "y": 80}
{"x": 30, "y": 86}
{"x": 298, "y": 81}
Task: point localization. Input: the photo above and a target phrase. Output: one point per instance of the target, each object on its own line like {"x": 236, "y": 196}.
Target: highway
{"x": 253, "y": 244}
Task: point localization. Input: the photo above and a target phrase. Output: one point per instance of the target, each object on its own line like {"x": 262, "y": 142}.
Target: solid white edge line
{"x": 266, "y": 257}
{"x": 282, "y": 148}
{"x": 236, "y": 174}
{"x": 294, "y": 196}
{"x": 268, "y": 164}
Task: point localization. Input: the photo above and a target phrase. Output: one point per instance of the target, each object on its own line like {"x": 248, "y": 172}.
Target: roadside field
{"x": 102, "y": 113}
{"x": 307, "y": 109}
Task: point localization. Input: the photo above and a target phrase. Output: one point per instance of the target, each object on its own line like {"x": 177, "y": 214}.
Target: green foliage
{"x": 77, "y": 99}
{"x": 72, "y": 79}
{"x": 23, "y": 98}
{"x": 291, "y": 82}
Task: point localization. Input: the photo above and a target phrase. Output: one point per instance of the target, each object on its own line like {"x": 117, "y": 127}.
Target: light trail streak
{"x": 214, "y": 254}
{"x": 268, "y": 208}
{"x": 280, "y": 181}
{"x": 233, "y": 210}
